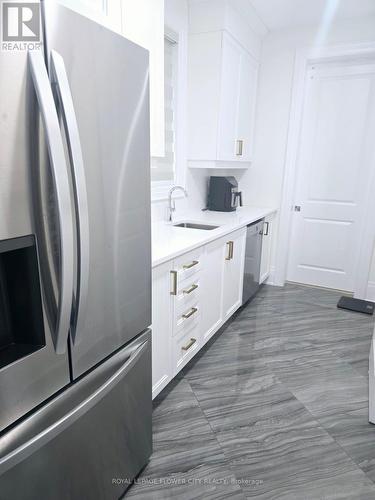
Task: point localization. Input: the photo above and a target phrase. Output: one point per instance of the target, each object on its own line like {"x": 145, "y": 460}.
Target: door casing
{"x": 304, "y": 58}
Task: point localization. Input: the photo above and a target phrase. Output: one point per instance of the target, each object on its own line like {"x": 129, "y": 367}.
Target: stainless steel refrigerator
{"x": 75, "y": 263}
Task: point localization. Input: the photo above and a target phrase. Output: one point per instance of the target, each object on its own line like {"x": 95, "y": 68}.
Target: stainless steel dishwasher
{"x": 253, "y": 255}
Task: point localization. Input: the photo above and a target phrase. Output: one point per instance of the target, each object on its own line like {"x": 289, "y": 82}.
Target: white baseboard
{"x": 370, "y": 294}
{"x": 159, "y": 386}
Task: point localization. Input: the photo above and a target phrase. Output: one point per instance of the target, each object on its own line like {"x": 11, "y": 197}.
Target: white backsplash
{"x": 196, "y": 189}
{"x": 196, "y": 186}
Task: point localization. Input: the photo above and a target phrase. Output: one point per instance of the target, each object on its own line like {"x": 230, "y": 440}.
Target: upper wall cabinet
{"x": 143, "y": 23}
{"x": 106, "y": 12}
{"x": 222, "y": 92}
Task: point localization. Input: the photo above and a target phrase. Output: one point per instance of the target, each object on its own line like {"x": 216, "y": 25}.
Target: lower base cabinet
{"x": 232, "y": 283}
{"x": 265, "y": 263}
{"x": 161, "y": 328}
{"x": 184, "y": 346}
{"x": 193, "y": 295}
{"x": 212, "y": 288}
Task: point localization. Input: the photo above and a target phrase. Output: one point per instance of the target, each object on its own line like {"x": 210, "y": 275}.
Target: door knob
{"x": 297, "y": 208}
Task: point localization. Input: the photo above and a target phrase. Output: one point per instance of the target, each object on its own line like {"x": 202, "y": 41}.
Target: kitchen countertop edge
{"x": 229, "y": 223}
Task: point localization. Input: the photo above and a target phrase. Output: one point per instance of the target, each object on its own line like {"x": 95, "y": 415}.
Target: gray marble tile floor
{"x": 273, "y": 407}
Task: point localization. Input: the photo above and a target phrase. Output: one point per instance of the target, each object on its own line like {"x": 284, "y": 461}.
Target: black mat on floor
{"x": 356, "y": 305}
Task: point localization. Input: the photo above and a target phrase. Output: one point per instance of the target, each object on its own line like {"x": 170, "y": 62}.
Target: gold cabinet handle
{"x": 191, "y": 289}
{"x": 189, "y": 344}
{"x": 239, "y": 147}
{"x": 192, "y": 264}
{"x": 192, "y": 311}
{"x": 228, "y": 254}
{"x": 174, "y": 283}
{"x": 230, "y": 250}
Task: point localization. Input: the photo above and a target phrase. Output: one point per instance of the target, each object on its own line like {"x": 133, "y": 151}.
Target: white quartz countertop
{"x": 169, "y": 242}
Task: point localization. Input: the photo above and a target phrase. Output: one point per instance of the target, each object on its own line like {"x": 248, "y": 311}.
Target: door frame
{"x": 305, "y": 57}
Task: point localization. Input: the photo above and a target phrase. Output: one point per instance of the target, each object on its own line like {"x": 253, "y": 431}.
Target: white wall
{"x": 372, "y": 270}
{"x": 262, "y": 183}
{"x": 371, "y": 281}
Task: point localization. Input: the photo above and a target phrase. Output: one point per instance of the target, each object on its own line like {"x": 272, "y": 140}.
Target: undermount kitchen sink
{"x": 195, "y": 225}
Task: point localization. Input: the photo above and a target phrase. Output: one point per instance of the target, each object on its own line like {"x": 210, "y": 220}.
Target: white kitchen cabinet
{"x": 185, "y": 345}
{"x": 229, "y": 99}
{"x": 186, "y": 290}
{"x": 103, "y": 12}
{"x": 246, "y": 105}
{"x": 222, "y": 93}
{"x": 265, "y": 263}
{"x": 162, "y": 312}
{"x": 233, "y": 272}
{"x": 192, "y": 296}
{"x": 143, "y": 23}
{"x": 212, "y": 281}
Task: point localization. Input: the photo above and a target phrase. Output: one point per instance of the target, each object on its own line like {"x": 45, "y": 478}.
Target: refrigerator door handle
{"x": 34, "y": 432}
{"x": 61, "y": 185}
{"x": 61, "y": 83}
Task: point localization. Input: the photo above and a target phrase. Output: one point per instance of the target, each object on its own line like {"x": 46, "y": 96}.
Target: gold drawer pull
{"x": 230, "y": 250}
{"x": 192, "y": 264}
{"x": 174, "y": 283}
{"x": 239, "y": 147}
{"x": 189, "y": 344}
{"x": 192, "y": 311}
{"x": 191, "y": 289}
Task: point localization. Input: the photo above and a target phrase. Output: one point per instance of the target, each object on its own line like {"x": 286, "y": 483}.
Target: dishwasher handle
{"x": 254, "y": 228}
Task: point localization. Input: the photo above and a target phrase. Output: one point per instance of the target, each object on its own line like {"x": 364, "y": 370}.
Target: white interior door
{"x": 336, "y": 155}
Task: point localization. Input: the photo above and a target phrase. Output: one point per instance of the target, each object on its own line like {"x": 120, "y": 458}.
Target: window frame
{"x": 160, "y": 189}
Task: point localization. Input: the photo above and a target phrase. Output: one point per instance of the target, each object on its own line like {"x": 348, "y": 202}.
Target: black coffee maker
{"x": 223, "y": 194}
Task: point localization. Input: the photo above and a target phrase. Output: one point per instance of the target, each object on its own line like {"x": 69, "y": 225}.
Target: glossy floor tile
{"x": 274, "y": 407}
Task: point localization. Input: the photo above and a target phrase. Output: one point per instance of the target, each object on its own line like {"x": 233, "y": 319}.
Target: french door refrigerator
{"x": 75, "y": 263}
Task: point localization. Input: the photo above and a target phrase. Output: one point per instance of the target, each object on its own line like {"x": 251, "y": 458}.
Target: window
{"x": 163, "y": 169}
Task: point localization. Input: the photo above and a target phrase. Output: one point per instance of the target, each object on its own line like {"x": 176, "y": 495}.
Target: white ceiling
{"x": 278, "y": 14}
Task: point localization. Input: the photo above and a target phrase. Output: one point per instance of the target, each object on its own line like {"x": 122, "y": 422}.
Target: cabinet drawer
{"x": 186, "y": 318}
{"x": 185, "y": 345}
{"x": 188, "y": 264}
{"x": 188, "y": 291}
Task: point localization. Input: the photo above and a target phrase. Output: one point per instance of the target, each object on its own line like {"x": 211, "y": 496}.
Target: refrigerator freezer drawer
{"x": 88, "y": 442}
